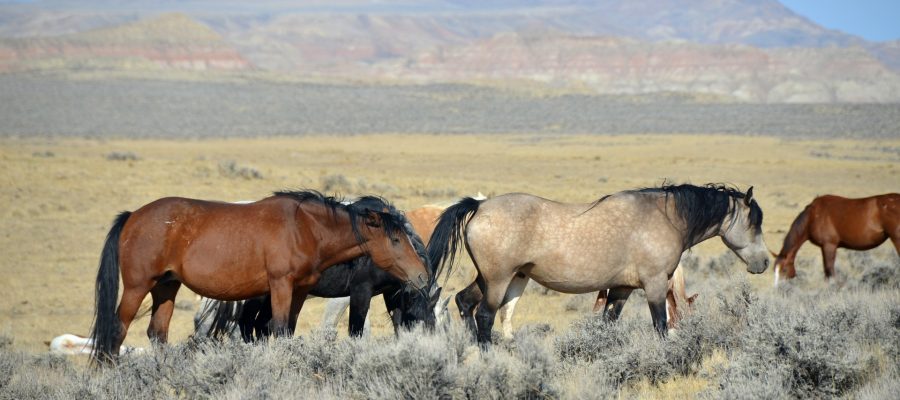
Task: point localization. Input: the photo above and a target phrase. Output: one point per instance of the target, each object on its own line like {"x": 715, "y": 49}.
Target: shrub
{"x": 879, "y": 275}
{"x": 336, "y": 183}
{"x": 122, "y": 156}
{"x": 581, "y": 302}
{"x": 806, "y": 352}
{"x": 230, "y": 169}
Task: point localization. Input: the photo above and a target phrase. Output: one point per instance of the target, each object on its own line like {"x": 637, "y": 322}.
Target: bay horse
{"x": 832, "y": 221}
{"x": 631, "y": 239}
{"x": 359, "y": 280}
{"x": 278, "y": 245}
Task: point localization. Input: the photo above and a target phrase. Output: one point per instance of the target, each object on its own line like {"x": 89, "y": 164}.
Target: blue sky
{"x": 871, "y": 19}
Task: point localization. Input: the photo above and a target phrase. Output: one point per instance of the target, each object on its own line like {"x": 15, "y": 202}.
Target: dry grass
{"x": 58, "y": 208}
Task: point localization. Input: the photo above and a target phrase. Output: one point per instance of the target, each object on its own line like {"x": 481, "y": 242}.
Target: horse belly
{"x": 222, "y": 273}
{"x": 574, "y": 277}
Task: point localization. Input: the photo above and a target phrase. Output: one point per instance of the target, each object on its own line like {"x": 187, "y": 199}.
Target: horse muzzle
{"x": 420, "y": 282}
{"x": 758, "y": 267}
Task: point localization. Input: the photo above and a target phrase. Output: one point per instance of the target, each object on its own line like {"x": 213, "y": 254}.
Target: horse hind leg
{"x": 513, "y": 293}
{"x": 615, "y": 301}
{"x": 163, "y": 306}
{"x": 466, "y": 301}
{"x": 132, "y": 296}
{"x": 494, "y": 293}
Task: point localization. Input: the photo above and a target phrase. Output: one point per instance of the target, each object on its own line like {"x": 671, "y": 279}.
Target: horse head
{"x": 744, "y": 234}
{"x": 389, "y": 244}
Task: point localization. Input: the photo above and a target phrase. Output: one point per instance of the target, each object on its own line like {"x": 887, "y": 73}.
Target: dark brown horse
{"x": 278, "y": 245}
{"x": 833, "y": 221}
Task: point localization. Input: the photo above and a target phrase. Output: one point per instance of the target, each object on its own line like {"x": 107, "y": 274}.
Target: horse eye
{"x": 395, "y": 240}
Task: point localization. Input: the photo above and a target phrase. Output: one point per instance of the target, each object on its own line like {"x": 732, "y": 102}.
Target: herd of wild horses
{"x": 259, "y": 261}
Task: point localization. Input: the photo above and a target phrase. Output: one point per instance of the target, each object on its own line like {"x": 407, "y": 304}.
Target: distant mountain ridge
{"x": 746, "y": 50}
{"x": 170, "y": 41}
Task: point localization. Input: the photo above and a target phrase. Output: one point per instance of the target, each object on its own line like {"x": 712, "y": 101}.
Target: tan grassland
{"x": 58, "y": 197}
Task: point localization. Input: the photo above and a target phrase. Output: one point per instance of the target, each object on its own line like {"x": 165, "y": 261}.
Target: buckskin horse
{"x": 631, "y": 239}
{"x": 678, "y": 304}
{"x": 832, "y": 221}
{"x": 280, "y": 245}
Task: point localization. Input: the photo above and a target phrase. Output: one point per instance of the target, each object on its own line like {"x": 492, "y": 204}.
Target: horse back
{"x": 851, "y": 223}
{"x": 200, "y": 241}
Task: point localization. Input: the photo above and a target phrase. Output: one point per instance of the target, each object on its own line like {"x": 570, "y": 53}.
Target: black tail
{"x": 106, "y": 330}
{"x": 217, "y": 319}
{"x": 447, "y": 234}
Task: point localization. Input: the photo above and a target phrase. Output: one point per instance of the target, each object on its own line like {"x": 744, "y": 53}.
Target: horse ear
{"x": 372, "y": 219}
{"x": 693, "y": 298}
{"x": 749, "y": 196}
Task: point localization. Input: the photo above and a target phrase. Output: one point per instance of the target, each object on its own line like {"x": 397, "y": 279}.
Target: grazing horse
{"x": 677, "y": 303}
{"x": 358, "y": 279}
{"x": 833, "y": 221}
{"x": 632, "y": 239}
{"x": 279, "y": 245}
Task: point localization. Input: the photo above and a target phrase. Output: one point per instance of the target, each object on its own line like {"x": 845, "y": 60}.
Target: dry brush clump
{"x": 809, "y": 342}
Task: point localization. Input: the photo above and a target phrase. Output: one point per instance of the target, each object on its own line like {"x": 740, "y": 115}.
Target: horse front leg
{"x": 297, "y": 300}
{"x": 359, "y": 309}
{"x": 829, "y": 251}
{"x": 282, "y": 297}
{"x": 656, "y": 291}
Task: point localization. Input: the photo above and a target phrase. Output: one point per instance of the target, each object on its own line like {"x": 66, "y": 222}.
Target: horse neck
{"x": 715, "y": 230}
{"x": 336, "y": 241}
{"x": 795, "y": 237}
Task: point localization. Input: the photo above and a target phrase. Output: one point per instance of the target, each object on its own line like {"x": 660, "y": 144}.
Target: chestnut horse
{"x": 632, "y": 239}
{"x": 833, "y": 221}
{"x": 279, "y": 245}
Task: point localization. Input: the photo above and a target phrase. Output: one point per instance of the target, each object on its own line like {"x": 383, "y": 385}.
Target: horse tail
{"x": 217, "y": 319}
{"x": 106, "y": 330}
{"x": 447, "y": 235}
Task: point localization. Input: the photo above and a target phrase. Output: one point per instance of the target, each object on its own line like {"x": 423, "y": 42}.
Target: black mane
{"x": 391, "y": 220}
{"x": 224, "y": 317}
{"x": 703, "y": 207}
{"x": 394, "y": 220}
